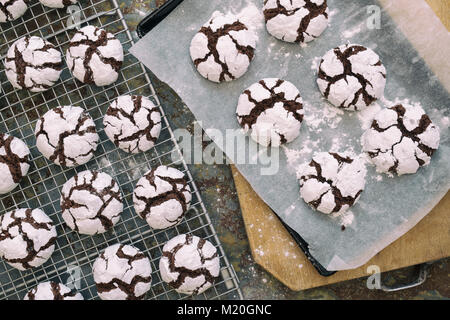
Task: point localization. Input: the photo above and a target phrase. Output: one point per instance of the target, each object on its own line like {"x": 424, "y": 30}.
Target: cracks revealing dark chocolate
{"x": 340, "y": 200}
{"x": 22, "y": 66}
{"x": 67, "y": 2}
{"x": 314, "y": 11}
{"x": 93, "y": 48}
{"x": 118, "y": 112}
{"x": 12, "y": 160}
{"x": 19, "y": 222}
{"x": 213, "y": 38}
{"x": 56, "y": 291}
{"x": 59, "y": 153}
{"x": 106, "y": 196}
{"x": 176, "y": 193}
{"x": 127, "y": 287}
{"x": 343, "y": 57}
{"x": 291, "y": 106}
{"x": 186, "y": 272}
{"x": 423, "y": 125}
{"x": 5, "y": 8}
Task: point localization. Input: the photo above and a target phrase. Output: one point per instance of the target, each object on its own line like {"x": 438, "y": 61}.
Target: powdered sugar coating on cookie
{"x": 401, "y": 139}
{"x": 27, "y": 238}
{"x": 33, "y": 63}
{"x": 189, "y": 264}
{"x": 58, "y": 3}
{"x": 66, "y": 136}
{"x": 297, "y": 21}
{"x": 162, "y": 197}
{"x": 52, "y": 291}
{"x": 133, "y": 123}
{"x": 11, "y": 10}
{"x": 122, "y": 272}
{"x": 95, "y": 56}
{"x": 14, "y": 162}
{"x": 332, "y": 182}
{"x": 351, "y": 77}
{"x": 223, "y": 48}
{"x": 272, "y": 111}
{"x": 91, "y": 202}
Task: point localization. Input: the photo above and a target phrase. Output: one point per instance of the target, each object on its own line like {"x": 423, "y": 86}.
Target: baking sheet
{"x": 389, "y": 206}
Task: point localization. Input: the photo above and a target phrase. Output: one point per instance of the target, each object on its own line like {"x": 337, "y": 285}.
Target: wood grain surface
{"x": 275, "y": 250}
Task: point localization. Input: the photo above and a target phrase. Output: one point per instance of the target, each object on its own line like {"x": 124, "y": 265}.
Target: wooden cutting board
{"x": 275, "y": 250}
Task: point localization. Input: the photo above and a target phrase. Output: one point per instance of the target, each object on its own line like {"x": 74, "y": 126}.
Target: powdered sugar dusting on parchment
{"x": 367, "y": 115}
{"x": 251, "y": 16}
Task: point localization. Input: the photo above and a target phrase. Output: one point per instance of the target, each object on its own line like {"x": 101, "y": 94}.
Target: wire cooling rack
{"x": 71, "y": 263}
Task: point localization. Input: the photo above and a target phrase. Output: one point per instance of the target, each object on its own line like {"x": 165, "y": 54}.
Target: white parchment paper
{"x": 389, "y": 206}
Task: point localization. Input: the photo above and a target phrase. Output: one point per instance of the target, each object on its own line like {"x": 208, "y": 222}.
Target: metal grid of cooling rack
{"x": 72, "y": 260}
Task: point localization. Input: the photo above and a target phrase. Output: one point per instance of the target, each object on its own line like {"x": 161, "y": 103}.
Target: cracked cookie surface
{"x": 33, "y": 63}
{"x": 66, "y": 136}
{"x": 27, "y": 238}
{"x": 91, "y": 202}
{"x": 11, "y": 10}
{"x": 223, "y": 48}
{"x": 297, "y": 21}
{"x": 272, "y": 111}
{"x": 332, "y": 182}
{"x": 14, "y": 162}
{"x": 122, "y": 272}
{"x": 351, "y": 77}
{"x": 95, "y": 56}
{"x": 52, "y": 291}
{"x": 162, "y": 197}
{"x": 189, "y": 264}
{"x": 401, "y": 139}
{"x": 58, "y": 3}
{"x": 133, "y": 123}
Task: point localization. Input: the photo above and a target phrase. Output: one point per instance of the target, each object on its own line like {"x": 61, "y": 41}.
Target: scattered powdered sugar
{"x": 331, "y": 14}
{"x": 345, "y": 218}
{"x": 259, "y": 251}
{"x": 347, "y": 34}
{"x": 289, "y": 210}
{"x": 104, "y": 162}
{"x": 251, "y": 16}
{"x": 294, "y": 155}
{"x": 367, "y": 115}
{"x": 327, "y": 114}
{"x": 315, "y": 63}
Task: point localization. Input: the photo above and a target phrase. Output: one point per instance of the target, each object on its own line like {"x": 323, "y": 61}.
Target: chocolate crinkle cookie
{"x": 95, "y": 56}
{"x": 332, "y": 182}
{"x": 401, "y": 139}
{"x": 189, "y": 264}
{"x": 133, "y": 123}
{"x": 122, "y": 272}
{"x": 297, "y": 21}
{"x": 66, "y": 136}
{"x": 58, "y": 3}
{"x": 223, "y": 48}
{"x": 272, "y": 111}
{"x": 11, "y": 10}
{"x": 351, "y": 77}
{"x": 27, "y": 238}
{"x": 33, "y": 63}
{"x": 162, "y": 197}
{"x": 14, "y": 162}
{"x": 91, "y": 202}
{"x": 52, "y": 291}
